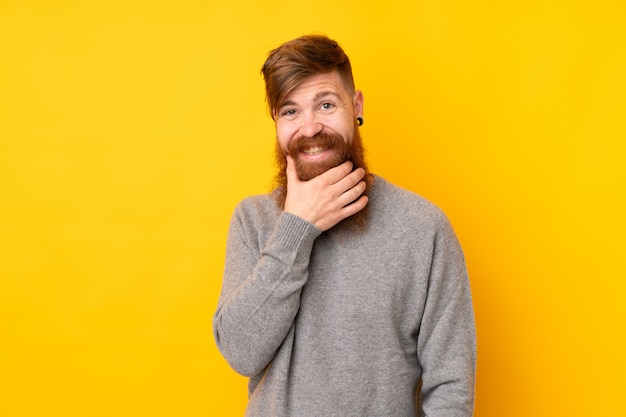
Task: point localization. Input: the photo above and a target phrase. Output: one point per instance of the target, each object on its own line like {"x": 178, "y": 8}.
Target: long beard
{"x": 341, "y": 151}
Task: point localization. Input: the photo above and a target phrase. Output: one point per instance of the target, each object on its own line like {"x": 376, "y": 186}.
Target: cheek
{"x": 342, "y": 126}
{"x": 283, "y": 136}
{"x": 282, "y": 142}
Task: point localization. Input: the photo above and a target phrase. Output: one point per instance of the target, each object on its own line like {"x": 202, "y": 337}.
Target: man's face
{"x": 316, "y": 123}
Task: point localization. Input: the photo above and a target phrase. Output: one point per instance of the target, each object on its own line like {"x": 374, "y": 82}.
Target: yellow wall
{"x": 129, "y": 130}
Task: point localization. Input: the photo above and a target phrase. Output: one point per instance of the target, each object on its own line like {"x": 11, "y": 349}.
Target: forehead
{"x": 317, "y": 84}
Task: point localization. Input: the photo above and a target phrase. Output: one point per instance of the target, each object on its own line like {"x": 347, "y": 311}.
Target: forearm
{"x": 261, "y": 293}
{"x": 446, "y": 346}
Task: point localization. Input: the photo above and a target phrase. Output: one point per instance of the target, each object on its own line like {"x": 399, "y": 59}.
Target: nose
{"x": 311, "y": 126}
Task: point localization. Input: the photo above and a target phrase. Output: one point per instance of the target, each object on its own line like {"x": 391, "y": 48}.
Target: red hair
{"x": 292, "y": 62}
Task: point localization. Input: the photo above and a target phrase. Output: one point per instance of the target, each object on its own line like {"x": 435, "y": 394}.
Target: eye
{"x": 288, "y": 112}
{"x": 327, "y": 106}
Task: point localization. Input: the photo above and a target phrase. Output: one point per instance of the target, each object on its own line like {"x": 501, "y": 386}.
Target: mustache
{"x": 322, "y": 140}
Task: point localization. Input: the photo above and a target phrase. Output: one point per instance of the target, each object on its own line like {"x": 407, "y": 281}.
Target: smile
{"x": 314, "y": 151}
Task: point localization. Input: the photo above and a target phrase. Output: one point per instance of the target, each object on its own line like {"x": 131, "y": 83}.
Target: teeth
{"x": 314, "y": 150}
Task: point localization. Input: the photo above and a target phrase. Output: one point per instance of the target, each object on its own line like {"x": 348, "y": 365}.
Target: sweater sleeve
{"x": 446, "y": 341}
{"x": 261, "y": 289}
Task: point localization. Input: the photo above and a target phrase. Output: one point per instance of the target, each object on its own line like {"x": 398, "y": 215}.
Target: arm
{"x": 261, "y": 290}
{"x": 447, "y": 341}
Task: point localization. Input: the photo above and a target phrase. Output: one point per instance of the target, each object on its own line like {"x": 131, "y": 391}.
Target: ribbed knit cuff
{"x": 294, "y": 232}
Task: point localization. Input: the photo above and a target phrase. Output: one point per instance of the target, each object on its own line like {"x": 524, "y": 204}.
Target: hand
{"x": 328, "y": 198}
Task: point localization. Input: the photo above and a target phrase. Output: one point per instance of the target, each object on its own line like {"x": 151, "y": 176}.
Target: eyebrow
{"x": 323, "y": 94}
{"x": 318, "y": 96}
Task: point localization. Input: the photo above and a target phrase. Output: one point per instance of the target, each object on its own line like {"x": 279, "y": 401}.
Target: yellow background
{"x": 129, "y": 130}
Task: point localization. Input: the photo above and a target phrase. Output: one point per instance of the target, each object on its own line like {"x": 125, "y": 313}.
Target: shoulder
{"x": 256, "y": 209}
{"x": 406, "y": 207}
{"x": 261, "y": 202}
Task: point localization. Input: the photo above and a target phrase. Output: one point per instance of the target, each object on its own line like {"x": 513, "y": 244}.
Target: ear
{"x": 358, "y": 104}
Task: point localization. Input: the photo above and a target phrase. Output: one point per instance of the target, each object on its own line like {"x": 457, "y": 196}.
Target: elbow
{"x": 243, "y": 364}
{"x": 245, "y": 368}
{"x": 242, "y": 358}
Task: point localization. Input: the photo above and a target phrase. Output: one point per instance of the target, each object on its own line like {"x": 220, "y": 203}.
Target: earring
{"x": 359, "y": 120}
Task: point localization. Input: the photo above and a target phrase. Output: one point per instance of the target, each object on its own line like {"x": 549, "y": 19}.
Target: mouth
{"x": 316, "y": 150}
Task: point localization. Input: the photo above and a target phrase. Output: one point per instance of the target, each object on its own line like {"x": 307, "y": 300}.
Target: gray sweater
{"x": 345, "y": 323}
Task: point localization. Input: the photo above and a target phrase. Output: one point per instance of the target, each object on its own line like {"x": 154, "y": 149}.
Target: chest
{"x": 368, "y": 281}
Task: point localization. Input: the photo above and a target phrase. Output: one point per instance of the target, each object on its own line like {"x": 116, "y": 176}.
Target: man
{"x": 343, "y": 295}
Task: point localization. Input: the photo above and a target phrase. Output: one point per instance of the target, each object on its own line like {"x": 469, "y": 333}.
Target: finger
{"x": 352, "y": 194}
{"x": 351, "y": 179}
{"x": 292, "y": 176}
{"x": 337, "y": 173}
{"x": 354, "y": 207}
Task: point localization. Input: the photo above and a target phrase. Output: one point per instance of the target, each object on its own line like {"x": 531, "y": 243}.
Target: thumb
{"x": 292, "y": 176}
